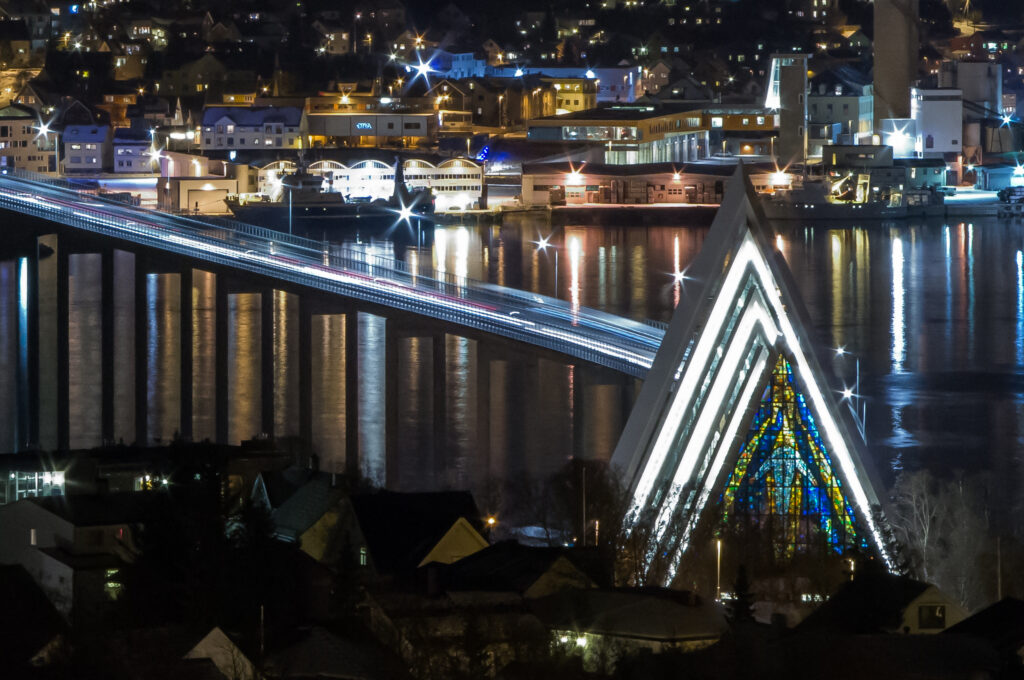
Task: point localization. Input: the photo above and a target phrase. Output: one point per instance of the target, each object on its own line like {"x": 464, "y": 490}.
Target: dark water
{"x": 931, "y": 315}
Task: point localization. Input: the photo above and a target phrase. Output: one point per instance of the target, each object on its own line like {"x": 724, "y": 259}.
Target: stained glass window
{"x": 784, "y": 481}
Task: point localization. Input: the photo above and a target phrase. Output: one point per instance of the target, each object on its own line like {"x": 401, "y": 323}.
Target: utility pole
{"x": 583, "y": 533}
{"x": 999, "y": 569}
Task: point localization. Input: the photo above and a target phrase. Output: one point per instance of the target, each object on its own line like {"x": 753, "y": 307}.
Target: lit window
{"x": 362, "y": 551}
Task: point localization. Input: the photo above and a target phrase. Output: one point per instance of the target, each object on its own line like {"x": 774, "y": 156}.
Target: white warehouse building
{"x": 457, "y": 183}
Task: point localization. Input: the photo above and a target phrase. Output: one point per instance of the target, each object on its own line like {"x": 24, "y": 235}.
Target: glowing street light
{"x": 718, "y": 577}
{"x": 542, "y": 246}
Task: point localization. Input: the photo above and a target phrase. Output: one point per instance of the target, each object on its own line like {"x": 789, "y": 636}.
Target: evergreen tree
{"x": 741, "y": 609}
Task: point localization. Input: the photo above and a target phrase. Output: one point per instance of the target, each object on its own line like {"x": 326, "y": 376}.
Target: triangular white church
{"x": 735, "y": 413}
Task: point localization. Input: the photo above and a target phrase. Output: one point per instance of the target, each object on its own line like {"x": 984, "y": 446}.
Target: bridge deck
{"x": 604, "y": 339}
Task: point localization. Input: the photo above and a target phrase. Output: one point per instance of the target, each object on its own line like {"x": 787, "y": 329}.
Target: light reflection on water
{"x": 934, "y": 311}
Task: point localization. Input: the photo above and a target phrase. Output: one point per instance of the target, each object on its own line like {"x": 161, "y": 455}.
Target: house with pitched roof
{"x": 884, "y": 603}
{"x": 269, "y": 128}
{"x": 87, "y": 148}
{"x": 74, "y": 547}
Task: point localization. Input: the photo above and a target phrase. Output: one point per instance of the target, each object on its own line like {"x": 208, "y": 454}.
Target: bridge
{"x": 603, "y": 339}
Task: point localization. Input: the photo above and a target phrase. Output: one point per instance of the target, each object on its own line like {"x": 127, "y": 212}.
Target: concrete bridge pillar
{"x": 392, "y": 374}
{"x": 221, "y": 359}
{"x": 28, "y": 286}
{"x": 305, "y": 367}
{"x": 47, "y": 342}
{"x": 352, "y": 453}
{"x": 186, "y": 324}
{"x": 439, "y": 400}
{"x": 404, "y": 346}
{"x": 203, "y": 353}
{"x": 108, "y": 353}
{"x": 61, "y": 321}
{"x": 483, "y": 406}
{"x": 267, "y": 360}
{"x": 86, "y": 374}
{"x": 332, "y": 435}
{"x": 285, "y": 364}
{"x": 141, "y": 351}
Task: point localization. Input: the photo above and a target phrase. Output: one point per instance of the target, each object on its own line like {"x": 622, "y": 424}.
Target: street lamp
{"x": 542, "y": 245}
{"x": 852, "y": 394}
{"x": 718, "y": 577}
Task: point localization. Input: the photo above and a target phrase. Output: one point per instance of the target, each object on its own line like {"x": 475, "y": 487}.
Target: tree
{"x": 916, "y": 518}
{"x": 741, "y": 609}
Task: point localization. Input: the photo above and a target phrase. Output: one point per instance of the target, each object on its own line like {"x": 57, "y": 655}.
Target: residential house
{"x": 36, "y": 16}
{"x": 322, "y": 654}
{"x": 387, "y": 17}
{"x": 220, "y": 30}
{"x": 74, "y": 546}
{"x": 603, "y": 626}
{"x": 268, "y": 128}
{"x": 883, "y": 603}
{"x": 394, "y": 534}
{"x": 38, "y": 97}
{"x": 206, "y": 73}
{"x": 573, "y": 94}
{"x": 531, "y": 572}
{"x": 132, "y": 150}
{"x": 15, "y": 44}
{"x": 305, "y": 507}
{"x": 504, "y": 102}
{"x": 1001, "y": 625}
{"x": 87, "y": 148}
{"x": 130, "y": 57}
{"x": 116, "y": 106}
{"x": 40, "y": 629}
{"x": 334, "y": 38}
{"x": 228, "y": 658}
{"x": 22, "y": 145}
{"x": 656, "y": 76}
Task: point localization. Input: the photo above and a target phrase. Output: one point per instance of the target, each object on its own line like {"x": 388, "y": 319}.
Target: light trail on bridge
{"x": 597, "y": 337}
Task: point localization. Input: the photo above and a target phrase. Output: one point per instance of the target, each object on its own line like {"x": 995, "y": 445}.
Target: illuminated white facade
{"x": 939, "y": 117}
{"x": 457, "y": 183}
{"x": 738, "y": 313}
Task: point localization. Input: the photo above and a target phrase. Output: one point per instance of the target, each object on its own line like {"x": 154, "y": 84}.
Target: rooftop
{"x": 624, "y": 112}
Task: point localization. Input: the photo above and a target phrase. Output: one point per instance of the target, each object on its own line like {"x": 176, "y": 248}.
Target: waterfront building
{"x": 787, "y": 94}
{"x": 938, "y": 117}
{"x": 630, "y": 134}
{"x": 840, "y": 103}
{"x": 547, "y": 184}
{"x": 457, "y": 183}
{"x": 342, "y": 128}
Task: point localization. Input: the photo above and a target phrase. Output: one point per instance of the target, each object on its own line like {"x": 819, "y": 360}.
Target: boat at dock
{"x": 308, "y": 204}
{"x": 819, "y": 200}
